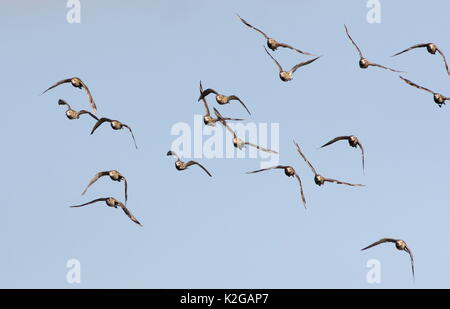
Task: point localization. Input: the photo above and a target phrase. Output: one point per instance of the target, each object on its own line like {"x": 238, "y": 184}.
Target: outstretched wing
{"x": 208, "y": 113}
{"x": 412, "y": 260}
{"x": 99, "y": 123}
{"x": 383, "y": 240}
{"x": 415, "y": 85}
{"x": 126, "y": 188}
{"x": 58, "y": 83}
{"x": 91, "y": 99}
{"x": 94, "y": 179}
{"x": 335, "y": 140}
{"x": 250, "y": 26}
{"x": 276, "y": 62}
{"x": 172, "y": 153}
{"x": 260, "y": 148}
{"x": 189, "y": 163}
{"x": 301, "y": 190}
{"x": 445, "y": 60}
{"x": 267, "y": 169}
{"x": 206, "y": 92}
{"x": 353, "y": 42}
{"x": 223, "y": 122}
{"x": 132, "y": 135}
{"x": 81, "y": 112}
{"x": 233, "y": 97}
{"x": 386, "y": 68}
{"x": 295, "y": 67}
{"x": 304, "y": 158}
{"x": 62, "y": 102}
{"x": 296, "y": 49}
{"x": 362, "y": 154}
{"x": 412, "y": 47}
{"x": 91, "y": 202}
{"x": 129, "y": 214}
{"x": 342, "y": 182}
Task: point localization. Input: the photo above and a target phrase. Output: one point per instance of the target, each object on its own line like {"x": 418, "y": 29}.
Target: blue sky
{"x": 143, "y": 63}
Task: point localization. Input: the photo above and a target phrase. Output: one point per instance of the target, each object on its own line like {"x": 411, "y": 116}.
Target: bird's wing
{"x": 91, "y": 202}
{"x": 353, "y": 42}
{"x": 189, "y": 163}
{"x": 132, "y": 135}
{"x": 62, "y": 102}
{"x": 129, "y": 214}
{"x": 335, "y": 140}
{"x": 173, "y": 153}
{"x": 295, "y": 67}
{"x": 233, "y": 97}
{"x": 91, "y": 99}
{"x": 445, "y": 60}
{"x": 206, "y": 92}
{"x": 58, "y": 83}
{"x": 304, "y": 158}
{"x": 208, "y": 113}
{"x": 415, "y": 85}
{"x": 276, "y": 62}
{"x": 386, "y": 68}
{"x": 223, "y": 122}
{"x": 250, "y": 26}
{"x": 362, "y": 154}
{"x": 126, "y": 188}
{"x": 293, "y": 48}
{"x": 99, "y": 122}
{"x": 260, "y": 148}
{"x": 409, "y": 48}
{"x": 267, "y": 169}
{"x": 412, "y": 259}
{"x": 94, "y": 179}
{"x": 343, "y": 182}
{"x": 380, "y": 242}
{"x": 81, "y": 112}
{"x": 301, "y": 190}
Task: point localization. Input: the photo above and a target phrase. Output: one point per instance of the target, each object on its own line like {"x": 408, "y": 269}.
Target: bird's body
{"x": 115, "y": 125}
{"x": 221, "y": 98}
{"x": 352, "y": 141}
{"x": 181, "y": 166}
{"x": 114, "y": 175}
{"x": 438, "y": 98}
{"x": 73, "y": 114}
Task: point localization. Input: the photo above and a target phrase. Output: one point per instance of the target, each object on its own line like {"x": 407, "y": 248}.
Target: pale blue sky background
{"x": 143, "y": 62}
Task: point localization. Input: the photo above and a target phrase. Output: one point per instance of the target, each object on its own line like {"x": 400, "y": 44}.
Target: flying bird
{"x": 319, "y": 179}
{"x": 237, "y": 142}
{"x": 431, "y": 48}
{"x": 399, "y": 244}
{"x": 114, "y": 175}
{"x": 180, "y": 165}
{"x": 272, "y": 43}
{"x": 112, "y": 202}
{"x": 289, "y": 75}
{"x": 77, "y": 83}
{"x": 207, "y": 119}
{"x": 73, "y": 114}
{"x": 116, "y": 125}
{"x": 352, "y": 141}
{"x": 438, "y": 98}
{"x": 363, "y": 62}
{"x": 222, "y": 99}
{"x": 288, "y": 171}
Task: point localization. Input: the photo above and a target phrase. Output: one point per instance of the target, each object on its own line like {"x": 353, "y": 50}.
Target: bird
{"x": 73, "y": 114}
{"x": 431, "y": 48}
{"x": 112, "y": 202}
{"x": 288, "y": 171}
{"x": 207, "y": 119}
{"x": 399, "y": 244}
{"x": 222, "y": 99}
{"x": 319, "y": 179}
{"x": 114, "y": 175}
{"x": 116, "y": 125}
{"x": 363, "y": 62}
{"x": 180, "y": 165}
{"x": 289, "y": 75}
{"x": 77, "y": 83}
{"x": 438, "y": 98}
{"x": 237, "y": 142}
{"x": 352, "y": 141}
{"x": 272, "y": 43}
